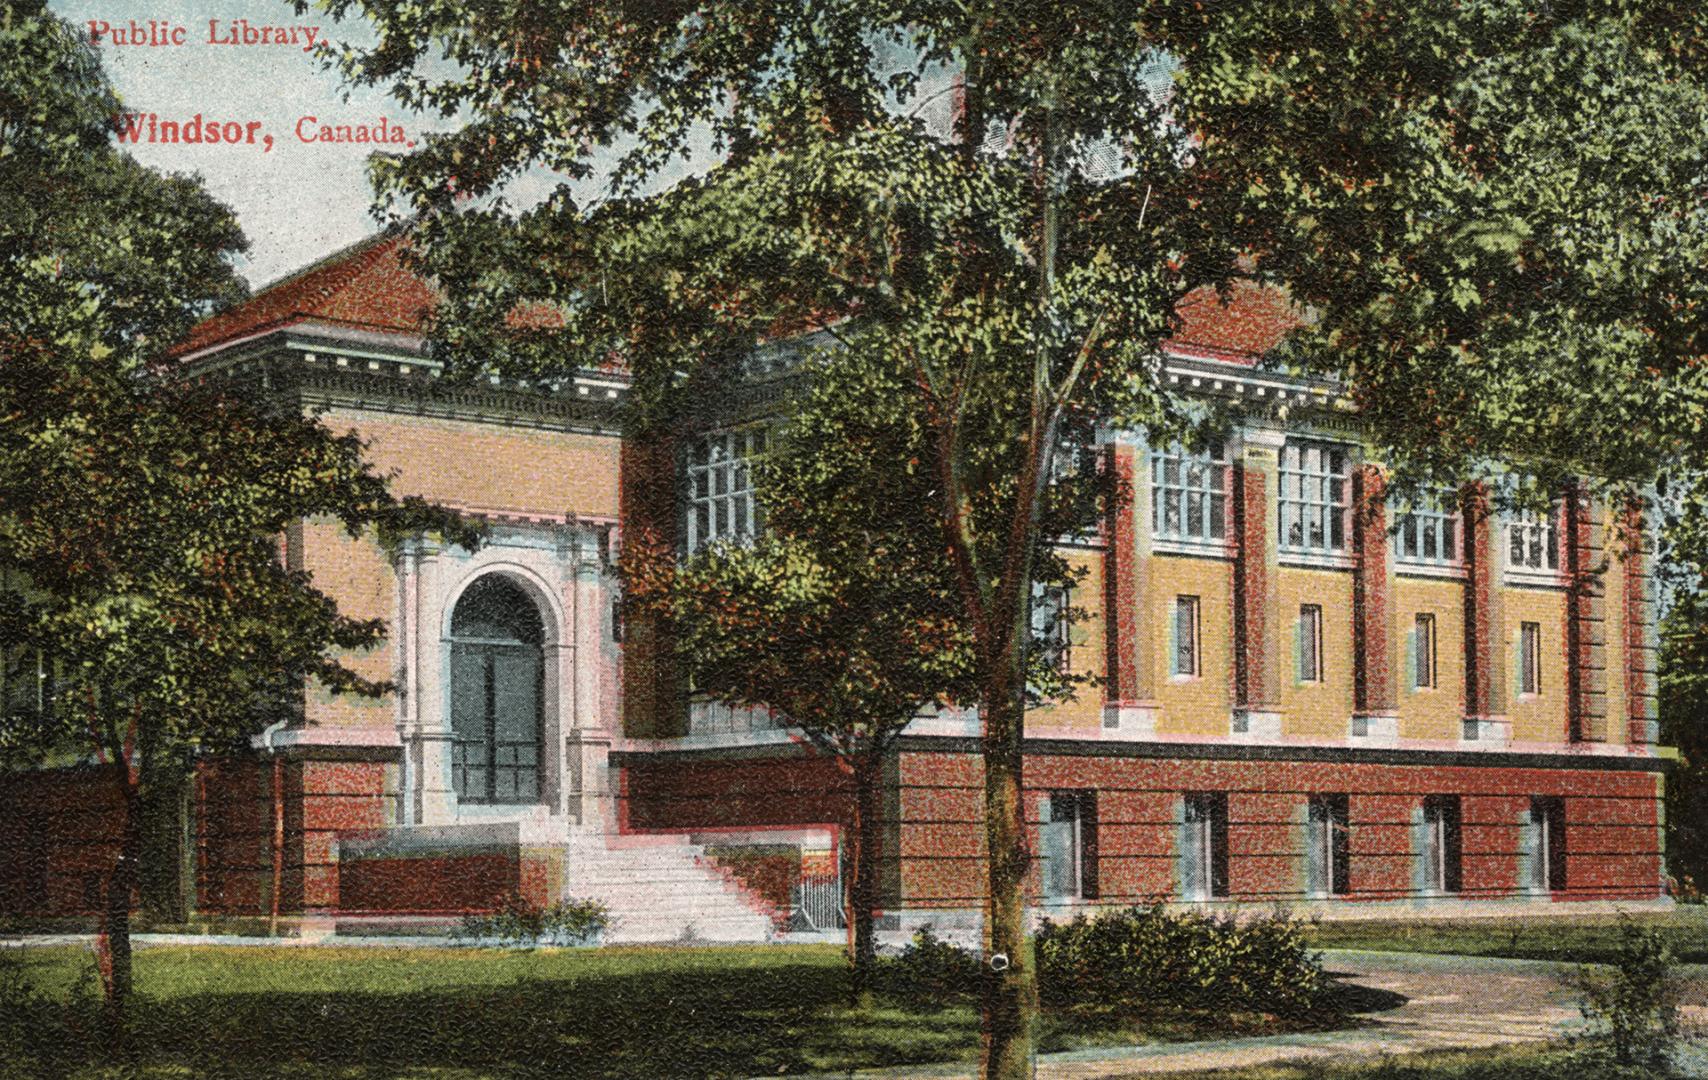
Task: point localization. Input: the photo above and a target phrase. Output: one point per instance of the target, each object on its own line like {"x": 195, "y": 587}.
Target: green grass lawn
{"x": 463, "y": 1013}
{"x": 1579, "y": 939}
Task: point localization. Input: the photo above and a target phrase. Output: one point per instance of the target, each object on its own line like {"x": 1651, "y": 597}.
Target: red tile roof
{"x": 1253, "y": 321}
{"x": 366, "y": 286}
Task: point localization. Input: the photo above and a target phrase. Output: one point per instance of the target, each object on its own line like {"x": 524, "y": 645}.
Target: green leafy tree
{"x": 1683, "y": 583}
{"x": 842, "y": 615}
{"x": 1019, "y": 290}
{"x": 1495, "y": 212}
{"x": 143, "y": 593}
{"x": 1498, "y": 215}
{"x": 1410, "y": 173}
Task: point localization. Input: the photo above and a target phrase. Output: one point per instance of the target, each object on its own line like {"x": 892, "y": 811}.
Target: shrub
{"x": 930, "y": 969}
{"x": 520, "y": 922}
{"x": 1632, "y": 1010}
{"x": 1684, "y": 890}
{"x": 1149, "y": 955}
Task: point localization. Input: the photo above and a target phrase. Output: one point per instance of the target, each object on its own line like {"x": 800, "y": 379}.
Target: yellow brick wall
{"x": 1540, "y": 717}
{"x": 356, "y": 574}
{"x": 463, "y": 463}
{"x": 1088, "y": 655}
{"x": 1198, "y": 705}
{"x": 1429, "y": 713}
{"x": 1318, "y": 710}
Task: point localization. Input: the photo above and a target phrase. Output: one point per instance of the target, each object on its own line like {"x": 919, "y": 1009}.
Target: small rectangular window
{"x": 1186, "y": 635}
{"x": 1441, "y": 843}
{"x": 1204, "y": 846}
{"x": 1530, "y": 658}
{"x": 1425, "y": 648}
{"x": 1547, "y": 843}
{"x": 1068, "y": 843}
{"x": 1310, "y": 643}
{"x": 1329, "y": 845}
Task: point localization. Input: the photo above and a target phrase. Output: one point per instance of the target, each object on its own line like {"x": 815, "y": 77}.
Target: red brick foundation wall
{"x": 712, "y": 795}
{"x": 933, "y": 851}
{"x": 235, "y": 831}
{"x": 449, "y": 883}
{"x": 58, "y": 836}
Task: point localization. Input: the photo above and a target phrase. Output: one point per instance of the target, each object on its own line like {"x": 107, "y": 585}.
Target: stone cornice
{"x": 324, "y": 366}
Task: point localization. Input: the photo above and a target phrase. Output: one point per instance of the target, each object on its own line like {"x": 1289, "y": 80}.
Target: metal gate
{"x": 817, "y": 903}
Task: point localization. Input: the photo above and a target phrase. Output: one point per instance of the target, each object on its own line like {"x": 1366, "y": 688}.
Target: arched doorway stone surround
{"x": 562, "y": 569}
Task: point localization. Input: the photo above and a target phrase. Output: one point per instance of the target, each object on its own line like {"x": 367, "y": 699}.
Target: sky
{"x": 297, "y": 201}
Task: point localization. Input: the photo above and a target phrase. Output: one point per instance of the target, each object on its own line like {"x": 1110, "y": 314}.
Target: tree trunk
{"x": 114, "y": 942}
{"x": 1009, "y": 977}
{"x": 860, "y": 890}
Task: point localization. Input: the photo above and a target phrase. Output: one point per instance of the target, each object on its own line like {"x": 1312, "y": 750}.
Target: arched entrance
{"x": 497, "y": 691}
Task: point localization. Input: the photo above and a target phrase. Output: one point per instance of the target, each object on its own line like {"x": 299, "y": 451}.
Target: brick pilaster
{"x": 1642, "y": 641}
{"x": 1129, "y": 675}
{"x": 1257, "y": 680}
{"x": 1585, "y": 544}
{"x": 1486, "y": 671}
{"x": 654, "y": 694}
{"x": 1375, "y": 686}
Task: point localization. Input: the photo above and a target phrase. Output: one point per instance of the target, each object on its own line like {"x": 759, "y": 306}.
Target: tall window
{"x": 1314, "y": 497}
{"x": 1428, "y": 533}
{"x": 1052, "y": 628}
{"x": 1533, "y": 541}
{"x": 1068, "y": 842}
{"x": 1441, "y": 845}
{"x": 1310, "y": 643}
{"x": 1186, "y": 636}
{"x": 1423, "y": 636}
{"x": 1329, "y": 846}
{"x": 1546, "y": 842}
{"x": 721, "y": 502}
{"x": 1189, "y": 500}
{"x": 1204, "y": 847}
{"x": 1530, "y": 658}
{"x": 26, "y": 683}
{"x": 496, "y": 677}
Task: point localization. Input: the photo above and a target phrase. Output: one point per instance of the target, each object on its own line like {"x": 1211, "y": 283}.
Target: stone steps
{"x": 661, "y": 889}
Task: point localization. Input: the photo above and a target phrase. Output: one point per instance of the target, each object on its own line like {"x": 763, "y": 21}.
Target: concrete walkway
{"x": 1451, "y": 1003}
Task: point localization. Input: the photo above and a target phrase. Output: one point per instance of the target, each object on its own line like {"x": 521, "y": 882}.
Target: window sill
{"x": 1195, "y": 549}
{"x": 1454, "y": 571}
{"x": 1536, "y": 579}
{"x": 1312, "y": 561}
